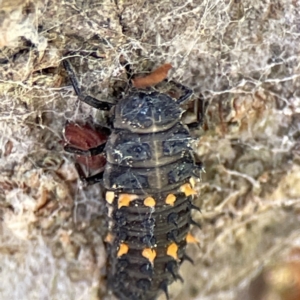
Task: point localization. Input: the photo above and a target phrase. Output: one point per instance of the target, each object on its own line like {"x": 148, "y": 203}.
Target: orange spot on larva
{"x": 172, "y": 250}
{"x": 109, "y": 197}
{"x": 190, "y": 239}
{"x": 149, "y": 201}
{"x": 125, "y": 199}
{"x": 153, "y": 78}
{"x": 171, "y": 198}
{"x": 109, "y": 238}
{"x": 187, "y": 190}
{"x": 150, "y": 254}
{"x": 123, "y": 249}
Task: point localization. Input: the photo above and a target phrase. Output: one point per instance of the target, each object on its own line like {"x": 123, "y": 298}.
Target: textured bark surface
{"x": 241, "y": 56}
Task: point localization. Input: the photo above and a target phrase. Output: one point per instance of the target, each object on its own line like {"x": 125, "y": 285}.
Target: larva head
{"x": 146, "y": 112}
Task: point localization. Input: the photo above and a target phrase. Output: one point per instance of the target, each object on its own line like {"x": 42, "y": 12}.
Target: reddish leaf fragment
{"x": 85, "y": 137}
{"x": 153, "y": 78}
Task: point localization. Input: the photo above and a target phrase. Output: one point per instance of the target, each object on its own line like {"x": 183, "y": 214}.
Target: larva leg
{"x": 99, "y": 104}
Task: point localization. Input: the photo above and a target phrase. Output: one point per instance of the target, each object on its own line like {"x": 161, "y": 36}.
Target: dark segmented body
{"x": 148, "y": 159}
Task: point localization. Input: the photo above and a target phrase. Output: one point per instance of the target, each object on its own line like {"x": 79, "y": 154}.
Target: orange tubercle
{"x": 109, "y": 238}
{"x": 172, "y": 251}
{"x": 125, "y": 199}
{"x": 187, "y": 190}
{"x": 150, "y": 202}
{"x": 171, "y": 198}
{"x": 190, "y": 239}
{"x": 123, "y": 249}
{"x": 150, "y": 254}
